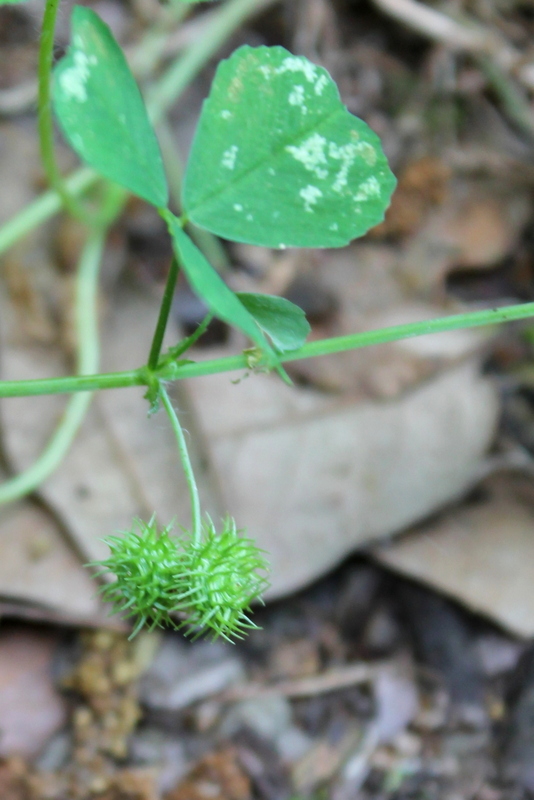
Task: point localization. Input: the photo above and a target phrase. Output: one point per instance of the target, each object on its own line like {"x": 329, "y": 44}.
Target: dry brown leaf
{"x": 313, "y": 477}
{"x": 476, "y": 228}
{"x": 481, "y": 554}
{"x": 39, "y": 569}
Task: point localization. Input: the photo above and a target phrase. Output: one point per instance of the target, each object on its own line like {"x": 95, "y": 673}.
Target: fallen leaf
{"x": 313, "y": 477}
{"x": 39, "y": 569}
{"x": 481, "y": 554}
{"x": 478, "y": 227}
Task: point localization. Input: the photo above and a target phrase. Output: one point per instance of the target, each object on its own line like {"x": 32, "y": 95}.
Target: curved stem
{"x": 45, "y": 121}
{"x": 88, "y": 356}
{"x": 196, "y": 522}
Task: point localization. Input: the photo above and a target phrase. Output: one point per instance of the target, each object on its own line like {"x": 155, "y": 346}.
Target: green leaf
{"x": 102, "y": 113}
{"x": 283, "y": 321}
{"x": 208, "y": 285}
{"x": 277, "y": 160}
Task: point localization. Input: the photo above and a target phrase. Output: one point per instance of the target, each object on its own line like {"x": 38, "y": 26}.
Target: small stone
{"x": 183, "y": 673}
{"x": 268, "y": 717}
{"x": 293, "y": 744}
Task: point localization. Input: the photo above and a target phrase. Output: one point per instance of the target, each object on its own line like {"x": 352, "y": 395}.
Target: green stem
{"x": 337, "y": 344}
{"x": 74, "y": 383}
{"x": 164, "y": 311}
{"x": 178, "y": 350}
{"x": 45, "y": 120}
{"x": 165, "y": 92}
{"x": 88, "y": 357}
{"x": 196, "y": 520}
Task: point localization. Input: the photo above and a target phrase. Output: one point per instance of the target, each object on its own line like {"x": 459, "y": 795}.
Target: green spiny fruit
{"x": 225, "y": 573}
{"x": 208, "y": 584}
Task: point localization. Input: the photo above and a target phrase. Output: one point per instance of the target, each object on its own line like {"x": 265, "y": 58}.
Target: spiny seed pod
{"x": 224, "y": 573}
{"x": 209, "y": 584}
{"x": 145, "y": 566}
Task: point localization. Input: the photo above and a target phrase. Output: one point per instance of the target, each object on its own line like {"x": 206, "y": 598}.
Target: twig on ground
{"x": 330, "y": 681}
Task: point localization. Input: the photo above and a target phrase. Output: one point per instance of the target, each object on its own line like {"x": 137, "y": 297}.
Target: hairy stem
{"x": 172, "y": 371}
{"x": 196, "y": 520}
{"x": 45, "y": 121}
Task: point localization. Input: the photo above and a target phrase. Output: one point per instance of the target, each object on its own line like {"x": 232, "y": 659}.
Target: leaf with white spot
{"x": 102, "y": 113}
{"x": 277, "y": 160}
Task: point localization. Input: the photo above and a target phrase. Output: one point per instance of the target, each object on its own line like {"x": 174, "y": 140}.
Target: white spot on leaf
{"x": 225, "y": 114}
{"x": 367, "y": 189}
{"x": 229, "y": 157}
{"x": 310, "y": 195}
{"x": 320, "y": 84}
{"x": 298, "y": 64}
{"x": 367, "y": 152}
{"x": 346, "y": 153}
{"x": 238, "y": 207}
{"x": 311, "y": 154}
{"x": 296, "y": 98}
{"x": 74, "y": 78}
